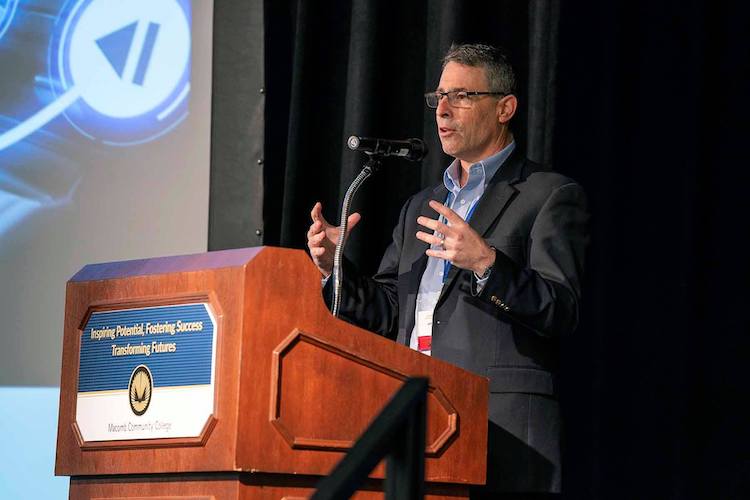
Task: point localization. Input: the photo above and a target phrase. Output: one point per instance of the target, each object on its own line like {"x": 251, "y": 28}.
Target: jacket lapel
{"x": 420, "y": 247}
{"x": 418, "y": 258}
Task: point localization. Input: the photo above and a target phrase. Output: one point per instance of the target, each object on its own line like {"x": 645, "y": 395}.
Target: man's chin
{"x": 449, "y": 148}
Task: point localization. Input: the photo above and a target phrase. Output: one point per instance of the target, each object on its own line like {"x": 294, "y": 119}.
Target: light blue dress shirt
{"x": 461, "y": 200}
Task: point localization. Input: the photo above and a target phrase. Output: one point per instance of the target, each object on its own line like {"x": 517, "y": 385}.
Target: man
{"x": 484, "y": 269}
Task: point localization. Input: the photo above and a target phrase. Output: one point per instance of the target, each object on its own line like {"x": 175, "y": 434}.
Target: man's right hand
{"x": 322, "y": 238}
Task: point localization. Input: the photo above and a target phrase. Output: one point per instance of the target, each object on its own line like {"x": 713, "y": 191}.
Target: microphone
{"x": 411, "y": 149}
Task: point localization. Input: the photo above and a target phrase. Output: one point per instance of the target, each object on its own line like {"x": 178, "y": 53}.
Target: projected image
{"x": 7, "y": 9}
{"x": 119, "y": 71}
{"x": 80, "y": 73}
{"x": 105, "y": 134}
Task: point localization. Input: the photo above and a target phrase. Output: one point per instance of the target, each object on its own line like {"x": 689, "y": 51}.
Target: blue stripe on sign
{"x": 148, "y": 48}
{"x": 190, "y": 364}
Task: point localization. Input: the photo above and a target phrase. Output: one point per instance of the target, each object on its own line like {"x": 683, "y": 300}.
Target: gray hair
{"x": 497, "y": 68}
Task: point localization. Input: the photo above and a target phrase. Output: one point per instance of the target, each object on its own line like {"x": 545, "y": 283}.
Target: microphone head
{"x": 417, "y": 151}
{"x": 411, "y": 149}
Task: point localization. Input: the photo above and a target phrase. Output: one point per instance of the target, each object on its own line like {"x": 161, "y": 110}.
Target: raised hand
{"x": 322, "y": 237}
{"x": 459, "y": 243}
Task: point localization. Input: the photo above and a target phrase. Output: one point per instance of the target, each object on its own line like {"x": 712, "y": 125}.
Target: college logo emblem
{"x": 140, "y": 389}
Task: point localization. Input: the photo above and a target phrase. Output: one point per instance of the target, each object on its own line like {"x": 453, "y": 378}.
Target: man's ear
{"x": 506, "y": 108}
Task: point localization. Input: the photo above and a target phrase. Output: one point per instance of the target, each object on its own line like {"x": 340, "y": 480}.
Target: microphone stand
{"x": 372, "y": 165}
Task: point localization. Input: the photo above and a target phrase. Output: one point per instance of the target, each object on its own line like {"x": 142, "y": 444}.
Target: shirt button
{"x": 437, "y": 322}
{"x": 463, "y": 201}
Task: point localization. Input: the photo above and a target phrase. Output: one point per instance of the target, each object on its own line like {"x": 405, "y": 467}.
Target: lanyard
{"x": 448, "y": 201}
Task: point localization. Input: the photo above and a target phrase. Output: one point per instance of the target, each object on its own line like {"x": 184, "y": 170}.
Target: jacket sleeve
{"x": 372, "y": 303}
{"x": 545, "y": 295}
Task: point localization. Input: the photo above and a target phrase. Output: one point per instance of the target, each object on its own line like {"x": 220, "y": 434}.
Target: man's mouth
{"x": 445, "y": 131}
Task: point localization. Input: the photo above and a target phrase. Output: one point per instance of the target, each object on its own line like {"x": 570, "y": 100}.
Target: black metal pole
{"x": 396, "y": 433}
{"x": 405, "y": 464}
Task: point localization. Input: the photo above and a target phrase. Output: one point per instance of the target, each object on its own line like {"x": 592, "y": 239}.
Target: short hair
{"x": 497, "y": 67}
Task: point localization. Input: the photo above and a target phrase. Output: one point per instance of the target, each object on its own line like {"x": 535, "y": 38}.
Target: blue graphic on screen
{"x": 114, "y": 72}
{"x": 7, "y": 9}
{"x": 121, "y": 70}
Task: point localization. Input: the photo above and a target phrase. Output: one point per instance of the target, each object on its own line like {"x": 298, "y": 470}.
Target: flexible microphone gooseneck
{"x": 411, "y": 149}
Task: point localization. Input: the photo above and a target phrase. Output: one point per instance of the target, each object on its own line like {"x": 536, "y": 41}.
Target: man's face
{"x": 469, "y": 134}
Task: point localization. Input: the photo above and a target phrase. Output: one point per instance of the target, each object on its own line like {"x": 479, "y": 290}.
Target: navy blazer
{"x": 537, "y": 221}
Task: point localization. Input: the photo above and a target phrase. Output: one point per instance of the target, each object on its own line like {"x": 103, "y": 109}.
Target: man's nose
{"x": 443, "y": 108}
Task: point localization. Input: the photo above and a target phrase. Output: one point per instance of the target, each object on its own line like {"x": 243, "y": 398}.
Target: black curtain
{"x": 335, "y": 69}
{"x": 647, "y": 106}
{"x": 652, "y": 105}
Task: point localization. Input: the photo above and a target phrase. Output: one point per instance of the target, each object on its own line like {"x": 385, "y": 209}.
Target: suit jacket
{"x": 510, "y": 332}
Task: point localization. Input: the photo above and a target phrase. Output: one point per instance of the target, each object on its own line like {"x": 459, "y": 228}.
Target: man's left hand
{"x": 461, "y": 245}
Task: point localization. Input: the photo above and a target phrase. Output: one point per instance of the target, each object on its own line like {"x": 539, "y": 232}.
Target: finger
{"x": 434, "y": 224}
{"x": 353, "y": 220}
{"x": 439, "y": 254}
{"x": 429, "y": 238}
{"x": 317, "y": 251}
{"x": 451, "y": 216}
{"x": 316, "y": 239}
{"x": 427, "y": 222}
{"x": 443, "y": 254}
{"x": 315, "y": 228}
{"x": 317, "y": 214}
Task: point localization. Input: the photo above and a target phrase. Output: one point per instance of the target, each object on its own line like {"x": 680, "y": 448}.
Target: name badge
{"x": 424, "y": 332}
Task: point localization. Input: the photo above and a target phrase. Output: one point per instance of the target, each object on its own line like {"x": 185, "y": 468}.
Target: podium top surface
{"x": 165, "y": 265}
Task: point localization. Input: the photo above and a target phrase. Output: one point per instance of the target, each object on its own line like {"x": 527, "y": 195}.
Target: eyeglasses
{"x": 456, "y": 98}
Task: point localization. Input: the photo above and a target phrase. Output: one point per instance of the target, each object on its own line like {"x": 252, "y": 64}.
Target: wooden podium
{"x": 293, "y": 387}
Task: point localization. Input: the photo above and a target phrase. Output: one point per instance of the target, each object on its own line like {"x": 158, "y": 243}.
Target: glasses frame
{"x": 455, "y": 93}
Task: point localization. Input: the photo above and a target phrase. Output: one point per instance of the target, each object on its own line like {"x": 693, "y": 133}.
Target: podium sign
{"x": 146, "y": 373}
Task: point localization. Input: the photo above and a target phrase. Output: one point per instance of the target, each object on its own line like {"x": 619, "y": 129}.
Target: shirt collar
{"x": 480, "y": 172}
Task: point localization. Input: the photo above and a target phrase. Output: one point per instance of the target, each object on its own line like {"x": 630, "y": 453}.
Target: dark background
{"x": 644, "y": 103}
